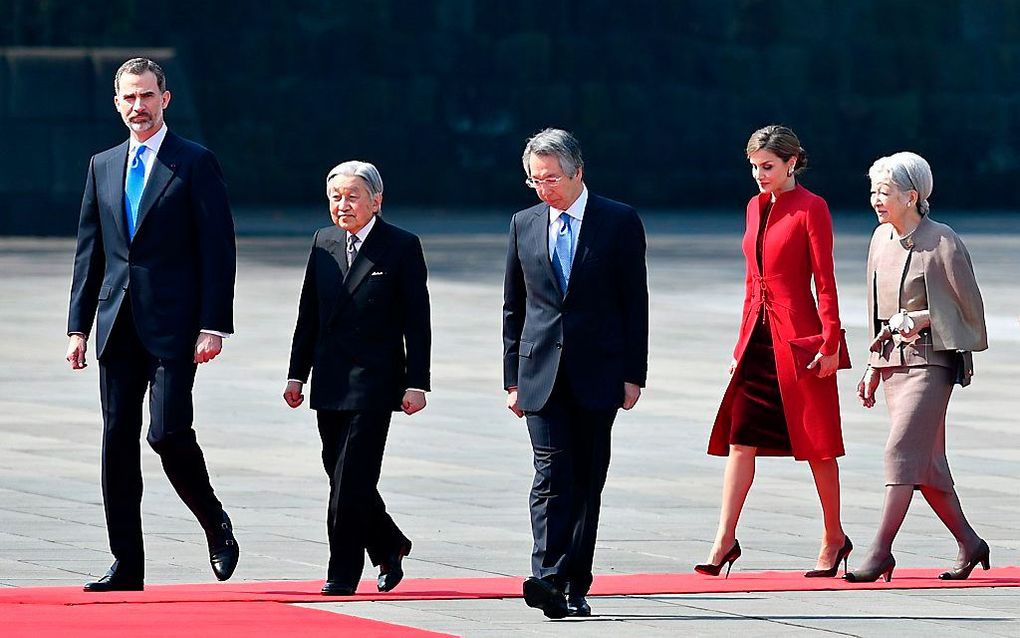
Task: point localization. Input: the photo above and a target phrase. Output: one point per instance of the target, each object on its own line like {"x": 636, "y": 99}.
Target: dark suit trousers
{"x": 352, "y": 451}
{"x": 571, "y": 448}
{"x": 126, "y": 372}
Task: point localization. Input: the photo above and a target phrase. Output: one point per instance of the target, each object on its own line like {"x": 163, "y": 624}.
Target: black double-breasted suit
{"x": 569, "y": 353}
{"x": 152, "y": 295}
{"x": 364, "y": 333}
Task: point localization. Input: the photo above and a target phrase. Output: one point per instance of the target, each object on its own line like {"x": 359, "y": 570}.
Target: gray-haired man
{"x": 363, "y": 326}
{"x": 575, "y": 350}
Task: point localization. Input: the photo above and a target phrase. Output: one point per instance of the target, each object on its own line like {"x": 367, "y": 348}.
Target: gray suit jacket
{"x": 595, "y": 334}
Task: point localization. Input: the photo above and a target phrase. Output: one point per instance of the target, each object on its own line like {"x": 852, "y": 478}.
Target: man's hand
{"x": 207, "y": 347}
{"x": 511, "y": 402}
{"x": 825, "y": 363}
{"x": 413, "y": 401}
{"x": 292, "y": 395}
{"x": 631, "y": 394}
{"x": 76, "y": 347}
{"x": 867, "y": 386}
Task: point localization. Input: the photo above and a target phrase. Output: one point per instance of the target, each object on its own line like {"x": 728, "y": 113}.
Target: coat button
{"x": 559, "y": 346}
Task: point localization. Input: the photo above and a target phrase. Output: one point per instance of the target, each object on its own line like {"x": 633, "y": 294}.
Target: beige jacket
{"x": 954, "y": 300}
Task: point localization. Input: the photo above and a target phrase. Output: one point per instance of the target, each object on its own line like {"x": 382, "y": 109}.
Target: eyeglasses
{"x": 551, "y": 182}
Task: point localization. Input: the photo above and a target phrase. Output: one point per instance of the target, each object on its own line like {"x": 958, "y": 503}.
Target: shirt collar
{"x": 365, "y": 230}
{"x": 153, "y": 143}
{"x": 575, "y": 210}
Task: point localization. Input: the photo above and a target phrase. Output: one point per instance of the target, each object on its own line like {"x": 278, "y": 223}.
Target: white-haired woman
{"x": 925, "y": 311}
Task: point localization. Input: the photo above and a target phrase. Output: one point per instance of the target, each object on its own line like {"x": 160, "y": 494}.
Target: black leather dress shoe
{"x": 117, "y": 579}
{"x": 578, "y": 606}
{"x": 223, "y": 550}
{"x": 333, "y": 588}
{"x": 546, "y": 596}
{"x": 391, "y": 570}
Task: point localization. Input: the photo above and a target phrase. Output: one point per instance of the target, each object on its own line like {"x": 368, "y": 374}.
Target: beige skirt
{"x": 917, "y": 398}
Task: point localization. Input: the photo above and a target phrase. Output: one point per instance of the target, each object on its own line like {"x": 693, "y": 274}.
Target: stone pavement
{"x": 456, "y": 477}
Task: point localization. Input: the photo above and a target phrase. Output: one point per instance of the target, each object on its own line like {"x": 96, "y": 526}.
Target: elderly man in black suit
{"x": 363, "y": 325}
{"x": 156, "y": 258}
{"x": 575, "y": 350}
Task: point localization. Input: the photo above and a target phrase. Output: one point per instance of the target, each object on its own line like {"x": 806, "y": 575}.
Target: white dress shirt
{"x": 575, "y": 214}
{"x": 363, "y": 233}
{"x": 152, "y": 146}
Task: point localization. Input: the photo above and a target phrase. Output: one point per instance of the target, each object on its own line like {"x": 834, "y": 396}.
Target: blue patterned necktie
{"x": 133, "y": 190}
{"x": 563, "y": 254}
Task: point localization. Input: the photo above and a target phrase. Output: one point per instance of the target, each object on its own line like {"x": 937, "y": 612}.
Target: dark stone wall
{"x": 56, "y": 111}
{"x": 663, "y": 94}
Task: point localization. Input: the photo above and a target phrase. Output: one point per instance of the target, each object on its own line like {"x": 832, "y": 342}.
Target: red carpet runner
{"x": 249, "y": 609}
{"x": 194, "y": 620}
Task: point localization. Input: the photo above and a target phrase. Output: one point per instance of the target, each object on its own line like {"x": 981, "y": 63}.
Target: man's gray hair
{"x": 355, "y": 168}
{"x": 558, "y": 143}
{"x": 138, "y": 66}
{"x": 908, "y": 172}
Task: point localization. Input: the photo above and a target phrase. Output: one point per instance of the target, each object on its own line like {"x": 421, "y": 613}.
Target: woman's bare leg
{"x": 826, "y": 474}
{"x": 736, "y": 483}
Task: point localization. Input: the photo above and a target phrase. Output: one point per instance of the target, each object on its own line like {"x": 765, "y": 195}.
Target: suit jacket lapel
{"x": 590, "y": 227}
{"x": 368, "y": 255}
{"x": 540, "y": 239}
{"x": 112, "y": 175}
{"x": 337, "y": 247}
{"x": 159, "y": 178}
{"x": 585, "y": 238}
{"x": 754, "y": 227}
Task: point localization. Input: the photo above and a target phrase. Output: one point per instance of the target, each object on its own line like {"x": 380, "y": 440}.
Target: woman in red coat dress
{"x": 770, "y": 408}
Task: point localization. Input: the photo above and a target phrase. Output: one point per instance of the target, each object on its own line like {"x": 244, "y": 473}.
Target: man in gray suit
{"x": 575, "y": 350}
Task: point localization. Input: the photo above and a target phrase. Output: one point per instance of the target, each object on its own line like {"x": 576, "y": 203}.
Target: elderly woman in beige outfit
{"x": 925, "y": 312}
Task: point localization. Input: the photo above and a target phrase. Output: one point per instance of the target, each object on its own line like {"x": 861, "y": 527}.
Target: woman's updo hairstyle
{"x": 781, "y": 141}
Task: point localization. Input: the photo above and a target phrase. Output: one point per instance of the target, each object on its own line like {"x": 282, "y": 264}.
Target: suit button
{"x": 559, "y": 346}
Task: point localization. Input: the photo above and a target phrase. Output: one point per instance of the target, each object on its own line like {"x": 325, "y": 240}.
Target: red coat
{"x": 796, "y": 247}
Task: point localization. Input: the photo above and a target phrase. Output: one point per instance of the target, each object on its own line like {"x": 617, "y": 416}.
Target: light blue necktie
{"x": 133, "y": 190}
{"x": 563, "y": 254}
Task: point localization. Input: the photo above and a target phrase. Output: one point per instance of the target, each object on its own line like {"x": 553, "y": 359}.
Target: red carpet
{"x": 502, "y": 587}
{"x": 195, "y": 620}
{"x": 249, "y": 609}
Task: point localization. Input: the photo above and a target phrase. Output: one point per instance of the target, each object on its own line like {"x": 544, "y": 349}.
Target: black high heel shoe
{"x": 869, "y": 576}
{"x": 963, "y": 572}
{"x": 729, "y": 557}
{"x": 842, "y": 555}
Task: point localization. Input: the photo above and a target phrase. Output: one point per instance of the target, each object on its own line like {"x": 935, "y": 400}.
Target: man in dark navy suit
{"x": 575, "y": 350}
{"x": 363, "y": 325}
{"x": 156, "y": 259}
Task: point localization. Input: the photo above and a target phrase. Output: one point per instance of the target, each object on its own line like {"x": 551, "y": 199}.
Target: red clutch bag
{"x": 805, "y": 348}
